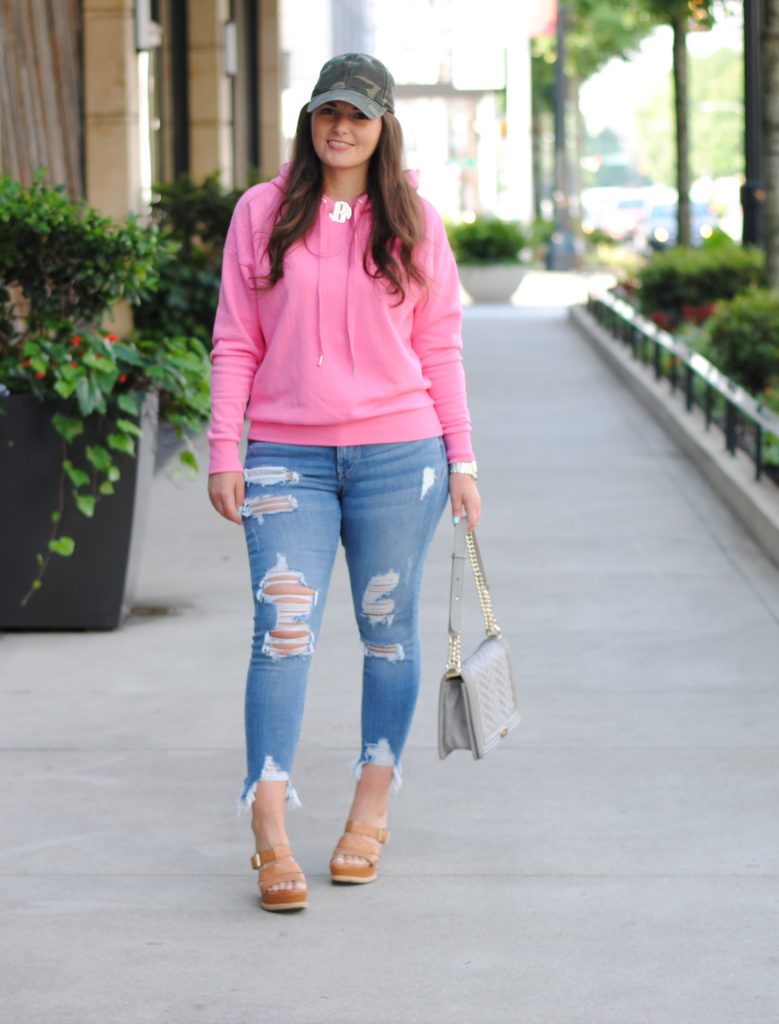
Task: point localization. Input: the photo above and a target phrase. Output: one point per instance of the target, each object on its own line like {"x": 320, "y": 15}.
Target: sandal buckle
{"x": 255, "y": 861}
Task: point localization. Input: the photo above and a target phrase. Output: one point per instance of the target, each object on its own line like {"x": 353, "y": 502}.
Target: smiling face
{"x": 344, "y": 140}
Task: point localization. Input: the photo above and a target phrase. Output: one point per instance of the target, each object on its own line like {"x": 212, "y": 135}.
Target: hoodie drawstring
{"x": 350, "y": 313}
{"x": 319, "y": 296}
{"x": 350, "y": 225}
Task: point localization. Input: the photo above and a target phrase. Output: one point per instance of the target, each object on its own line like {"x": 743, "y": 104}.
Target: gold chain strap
{"x": 454, "y": 664}
{"x": 491, "y": 626}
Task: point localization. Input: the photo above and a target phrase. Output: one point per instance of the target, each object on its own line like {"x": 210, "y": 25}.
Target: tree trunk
{"x": 540, "y": 186}
{"x": 575, "y": 172}
{"x": 679, "y": 26}
{"x": 771, "y": 138}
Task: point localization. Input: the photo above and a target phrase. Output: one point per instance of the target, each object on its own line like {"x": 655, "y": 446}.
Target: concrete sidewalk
{"x": 615, "y": 861}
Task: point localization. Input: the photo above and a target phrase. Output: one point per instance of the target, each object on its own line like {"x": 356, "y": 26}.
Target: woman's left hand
{"x": 465, "y": 498}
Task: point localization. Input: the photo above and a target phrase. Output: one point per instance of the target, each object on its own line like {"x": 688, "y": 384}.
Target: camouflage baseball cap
{"x": 358, "y": 79}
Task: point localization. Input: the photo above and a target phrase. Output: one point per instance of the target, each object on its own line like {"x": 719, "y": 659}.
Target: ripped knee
{"x": 390, "y": 652}
{"x": 294, "y": 600}
{"x": 377, "y": 605}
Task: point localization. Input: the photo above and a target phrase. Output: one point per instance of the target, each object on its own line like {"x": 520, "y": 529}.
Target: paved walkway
{"x": 615, "y": 861}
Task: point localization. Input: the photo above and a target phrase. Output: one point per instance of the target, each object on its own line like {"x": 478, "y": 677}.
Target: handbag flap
{"x": 488, "y": 678}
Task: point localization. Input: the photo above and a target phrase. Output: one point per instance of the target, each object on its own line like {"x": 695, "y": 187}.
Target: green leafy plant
{"x": 597, "y": 236}
{"x": 178, "y": 369}
{"x": 719, "y": 239}
{"x": 69, "y": 262}
{"x": 174, "y": 324}
{"x": 697, "y": 277}
{"x": 744, "y": 340}
{"x": 193, "y": 218}
{"x": 487, "y": 240}
{"x": 62, "y": 267}
{"x": 540, "y": 237}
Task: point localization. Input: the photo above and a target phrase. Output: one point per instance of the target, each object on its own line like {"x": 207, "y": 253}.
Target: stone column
{"x": 111, "y": 128}
{"x": 210, "y": 100}
{"x": 111, "y": 122}
{"x": 270, "y": 88}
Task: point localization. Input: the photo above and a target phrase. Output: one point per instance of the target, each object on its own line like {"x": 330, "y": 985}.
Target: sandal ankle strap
{"x": 271, "y": 854}
{"x": 359, "y": 828}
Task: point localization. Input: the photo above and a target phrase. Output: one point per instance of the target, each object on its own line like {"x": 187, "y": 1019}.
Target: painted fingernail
{"x": 455, "y": 520}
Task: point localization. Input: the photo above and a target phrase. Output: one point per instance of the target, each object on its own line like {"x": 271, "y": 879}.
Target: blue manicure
{"x": 455, "y": 520}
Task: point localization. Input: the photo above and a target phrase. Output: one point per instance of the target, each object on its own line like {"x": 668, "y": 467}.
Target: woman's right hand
{"x": 226, "y": 491}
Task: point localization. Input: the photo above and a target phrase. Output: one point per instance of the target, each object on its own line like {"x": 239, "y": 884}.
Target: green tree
{"x": 771, "y": 137}
{"x": 599, "y": 30}
{"x": 678, "y": 14}
{"x": 654, "y": 123}
{"x": 602, "y": 30}
{"x": 716, "y": 104}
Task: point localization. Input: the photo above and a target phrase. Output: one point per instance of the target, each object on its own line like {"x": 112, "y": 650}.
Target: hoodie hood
{"x": 330, "y": 235}
{"x": 282, "y": 178}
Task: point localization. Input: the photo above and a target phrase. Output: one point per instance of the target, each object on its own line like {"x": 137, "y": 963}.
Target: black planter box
{"x": 94, "y": 587}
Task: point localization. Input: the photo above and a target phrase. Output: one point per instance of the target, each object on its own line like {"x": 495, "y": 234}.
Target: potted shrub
{"x": 78, "y": 408}
{"x": 489, "y": 258}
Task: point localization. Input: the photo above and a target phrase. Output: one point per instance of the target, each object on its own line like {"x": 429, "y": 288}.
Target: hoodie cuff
{"x": 224, "y": 458}
{"x": 458, "y": 446}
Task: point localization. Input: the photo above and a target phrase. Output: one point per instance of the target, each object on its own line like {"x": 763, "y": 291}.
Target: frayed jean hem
{"x": 249, "y": 792}
{"x": 379, "y": 754}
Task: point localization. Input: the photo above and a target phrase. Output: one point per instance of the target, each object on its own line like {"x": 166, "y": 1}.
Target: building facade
{"x": 113, "y": 95}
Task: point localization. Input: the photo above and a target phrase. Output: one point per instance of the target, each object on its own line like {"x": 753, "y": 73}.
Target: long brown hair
{"x": 397, "y": 223}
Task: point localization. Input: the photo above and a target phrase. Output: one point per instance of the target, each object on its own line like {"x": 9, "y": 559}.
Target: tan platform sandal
{"x": 358, "y": 840}
{"x": 273, "y": 870}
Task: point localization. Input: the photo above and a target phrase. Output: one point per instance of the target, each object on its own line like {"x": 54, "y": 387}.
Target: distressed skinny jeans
{"x": 383, "y": 501}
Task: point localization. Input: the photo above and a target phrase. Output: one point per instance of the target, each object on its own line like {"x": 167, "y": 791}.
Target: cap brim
{"x": 364, "y": 104}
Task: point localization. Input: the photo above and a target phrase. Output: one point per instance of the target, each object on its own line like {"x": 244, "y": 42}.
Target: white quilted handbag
{"x": 477, "y": 704}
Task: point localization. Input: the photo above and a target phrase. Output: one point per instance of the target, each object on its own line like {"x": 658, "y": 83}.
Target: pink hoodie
{"x": 327, "y": 356}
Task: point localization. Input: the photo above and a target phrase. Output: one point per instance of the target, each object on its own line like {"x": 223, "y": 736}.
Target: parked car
{"x": 614, "y": 210}
{"x": 623, "y": 220}
{"x": 660, "y": 227}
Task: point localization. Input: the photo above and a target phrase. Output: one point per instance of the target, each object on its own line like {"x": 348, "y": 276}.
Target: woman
{"x": 338, "y": 336}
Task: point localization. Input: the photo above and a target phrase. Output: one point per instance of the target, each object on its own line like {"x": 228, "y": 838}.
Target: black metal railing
{"x": 745, "y": 423}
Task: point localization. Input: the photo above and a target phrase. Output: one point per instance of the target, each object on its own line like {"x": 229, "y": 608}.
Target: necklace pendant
{"x": 341, "y": 212}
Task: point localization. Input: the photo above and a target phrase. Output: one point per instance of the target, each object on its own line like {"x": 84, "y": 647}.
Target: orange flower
{"x": 113, "y": 338}
{"x": 76, "y": 341}
{"x": 74, "y": 364}
{"x": 40, "y": 375}
{"x": 122, "y": 378}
